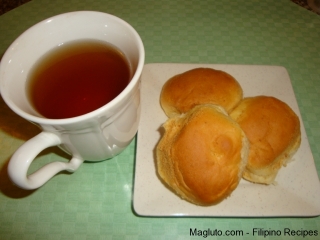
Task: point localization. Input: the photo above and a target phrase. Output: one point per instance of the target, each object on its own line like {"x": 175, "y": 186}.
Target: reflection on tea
{"x": 77, "y": 78}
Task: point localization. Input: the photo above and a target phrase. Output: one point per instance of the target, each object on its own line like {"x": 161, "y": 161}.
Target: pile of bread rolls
{"x": 214, "y": 137}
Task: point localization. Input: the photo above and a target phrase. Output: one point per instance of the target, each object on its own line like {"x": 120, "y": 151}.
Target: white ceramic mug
{"x": 95, "y": 136}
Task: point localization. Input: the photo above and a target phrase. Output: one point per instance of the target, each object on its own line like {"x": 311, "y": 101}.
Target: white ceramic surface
{"x": 297, "y": 192}
{"x": 95, "y": 136}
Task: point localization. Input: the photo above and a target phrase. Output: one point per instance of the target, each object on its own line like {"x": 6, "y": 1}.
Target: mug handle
{"x": 23, "y": 157}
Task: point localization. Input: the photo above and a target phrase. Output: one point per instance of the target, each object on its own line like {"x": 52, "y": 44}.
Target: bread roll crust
{"x": 273, "y": 130}
{"x": 199, "y": 86}
{"x": 202, "y": 155}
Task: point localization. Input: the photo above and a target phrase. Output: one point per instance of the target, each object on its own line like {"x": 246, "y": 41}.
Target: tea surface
{"x": 77, "y": 78}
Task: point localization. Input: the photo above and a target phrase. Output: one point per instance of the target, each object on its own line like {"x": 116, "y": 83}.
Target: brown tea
{"x": 77, "y": 78}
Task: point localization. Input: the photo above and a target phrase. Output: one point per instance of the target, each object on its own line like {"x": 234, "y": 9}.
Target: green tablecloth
{"x": 96, "y": 201}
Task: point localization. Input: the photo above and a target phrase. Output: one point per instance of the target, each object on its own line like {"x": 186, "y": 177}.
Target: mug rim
{"x": 42, "y": 120}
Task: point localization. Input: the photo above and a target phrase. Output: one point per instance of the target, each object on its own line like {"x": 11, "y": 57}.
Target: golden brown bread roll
{"x": 202, "y": 154}
{"x": 199, "y": 86}
{"x": 273, "y": 130}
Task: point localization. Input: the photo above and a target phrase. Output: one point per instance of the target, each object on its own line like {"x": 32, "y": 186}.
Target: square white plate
{"x": 297, "y": 192}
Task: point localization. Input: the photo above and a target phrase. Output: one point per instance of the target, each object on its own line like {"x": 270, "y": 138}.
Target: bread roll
{"x": 199, "y": 86}
{"x": 202, "y": 155}
{"x": 273, "y": 130}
